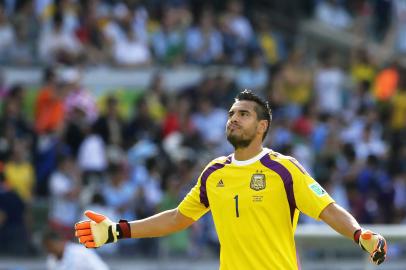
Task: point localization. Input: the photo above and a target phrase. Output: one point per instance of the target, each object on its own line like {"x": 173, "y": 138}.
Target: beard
{"x": 239, "y": 141}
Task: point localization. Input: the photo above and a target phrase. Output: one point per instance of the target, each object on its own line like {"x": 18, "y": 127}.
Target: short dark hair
{"x": 48, "y": 234}
{"x": 262, "y": 109}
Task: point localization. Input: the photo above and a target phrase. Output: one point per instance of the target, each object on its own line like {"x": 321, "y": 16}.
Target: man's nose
{"x": 234, "y": 118}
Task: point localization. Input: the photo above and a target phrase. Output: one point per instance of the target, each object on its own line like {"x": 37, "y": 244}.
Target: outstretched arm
{"x": 161, "y": 224}
{"x": 344, "y": 223}
{"x": 340, "y": 220}
{"x": 100, "y": 230}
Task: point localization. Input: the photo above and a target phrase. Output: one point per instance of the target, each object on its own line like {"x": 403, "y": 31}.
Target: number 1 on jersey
{"x": 236, "y": 206}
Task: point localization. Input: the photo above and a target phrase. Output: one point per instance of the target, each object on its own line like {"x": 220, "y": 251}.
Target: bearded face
{"x": 240, "y": 137}
{"x": 242, "y": 124}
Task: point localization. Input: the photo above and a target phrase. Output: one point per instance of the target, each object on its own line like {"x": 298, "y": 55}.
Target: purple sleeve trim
{"x": 286, "y": 178}
{"x": 205, "y": 175}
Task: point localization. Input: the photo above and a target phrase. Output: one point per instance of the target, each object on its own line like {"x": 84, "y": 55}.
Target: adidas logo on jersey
{"x": 220, "y": 183}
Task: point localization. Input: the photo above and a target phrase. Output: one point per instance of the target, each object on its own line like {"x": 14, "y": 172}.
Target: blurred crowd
{"x": 343, "y": 116}
{"x": 130, "y": 33}
{"x": 135, "y": 33}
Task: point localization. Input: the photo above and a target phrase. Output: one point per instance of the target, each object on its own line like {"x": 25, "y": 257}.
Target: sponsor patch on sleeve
{"x": 317, "y": 189}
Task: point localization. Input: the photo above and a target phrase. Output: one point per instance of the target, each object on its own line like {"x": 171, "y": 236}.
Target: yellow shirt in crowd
{"x": 20, "y": 178}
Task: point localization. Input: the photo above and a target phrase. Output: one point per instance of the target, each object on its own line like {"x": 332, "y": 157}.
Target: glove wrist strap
{"x": 123, "y": 229}
{"x": 357, "y": 235}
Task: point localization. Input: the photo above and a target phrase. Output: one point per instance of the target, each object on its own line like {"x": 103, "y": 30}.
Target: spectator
{"x": 354, "y": 129}
{"x": 18, "y": 171}
{"x": 254, "y": 76}
{"x": 17, "y": 94}
{"x": 149, "y": 196}
{"x": 237, "y": 22}
{"x": 13, "y": 221}
{"x": 3, "y": 88}
{"x": 167, "y": 42}
{"x": 77, "y": 97}
{"x": 320, "y": 132}
{"x": 210, "y": 122}
{"x": 75, "y": 130}
{"x": 69, "y": 10}
{"x": 294, "y": 81}
{"x": 45, "y": 156}
{"x": 27, "y": 27}
{"x": 204, "y": 44}
{"x": 304, "y": 124}
{"x": 386, "y": 82}
{"x": 64, "y": 189}
{"x": 110, "y": 125}
{"x": 113, "y": 30}
{"x": 399, "y": 105}
{"x": 270, "y": 41}
{"x": 49, "y": 107}
{"x": 66, "y": 255}
{"x": 370, "y": 145}
{"x": 13, "y": 125}
{"x": 58, "y": 45}
{"x": 329, "y": 83}
{"x": 206, "y": 88}
{"x": 376, "y": 183}
{"x": 361, "y": 99}
{"x": 22, "y": 52}
{"x": 179, "y": 119}
{"x": 89, "y": 33}
{"x": 349, "y": 165}
{"x": 333, "y": 13}
{"x": 400, "y": 198}
{"x": 139, "y": 20}
{"x": 381, "y": 18}
{"x": 141, "y": 126}
{"x": 119, "y": 192}
{"x": 149, "y": 190}
{"x": 156, "y": 98}
{"x": 397, "y": 32}
{"x": 177, "y": 243}
{"x": 131, "y": 51}
{"x": 7, "y": 35}
{"x": 92, "y": 156}
{"x": 362, "y": 67}
{"x": 237, "y": 33}
{"x": 225, "y": 90}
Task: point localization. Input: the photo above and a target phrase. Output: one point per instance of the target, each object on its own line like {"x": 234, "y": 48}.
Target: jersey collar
{"x": 251, "y": 160}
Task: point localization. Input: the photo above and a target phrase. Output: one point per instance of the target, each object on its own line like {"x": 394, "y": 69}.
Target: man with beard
{"x": 255, "y": 196}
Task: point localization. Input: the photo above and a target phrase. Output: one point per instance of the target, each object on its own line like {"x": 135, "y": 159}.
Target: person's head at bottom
{"x": 53, "y": 242}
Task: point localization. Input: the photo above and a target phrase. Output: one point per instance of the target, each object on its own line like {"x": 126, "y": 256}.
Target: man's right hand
{"x": 100, "y": 230}
{"x": 97, "y": 231}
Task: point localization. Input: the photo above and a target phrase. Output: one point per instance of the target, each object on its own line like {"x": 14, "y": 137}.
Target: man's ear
{"x": 263, "y": 125}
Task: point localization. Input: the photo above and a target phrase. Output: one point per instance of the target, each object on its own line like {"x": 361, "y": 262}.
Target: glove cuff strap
{"x": 357, "y": 234}
{"x": 123, "y": 229}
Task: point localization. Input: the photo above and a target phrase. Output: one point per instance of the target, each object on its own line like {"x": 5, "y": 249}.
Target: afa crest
{"x": 258, "y": 181}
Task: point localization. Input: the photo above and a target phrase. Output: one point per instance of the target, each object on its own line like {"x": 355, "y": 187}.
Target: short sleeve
{"x": 311, "y": 198}
{"x": 191, "y": 205}
{"x": 195, "y": 204}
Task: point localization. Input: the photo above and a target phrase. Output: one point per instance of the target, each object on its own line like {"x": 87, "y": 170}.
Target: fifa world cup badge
{"x": 258, "y": 181}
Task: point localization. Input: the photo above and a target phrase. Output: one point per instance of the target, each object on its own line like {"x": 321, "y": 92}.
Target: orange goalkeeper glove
{"x": 372, "y": 243}
{"x": 100, "y": 230}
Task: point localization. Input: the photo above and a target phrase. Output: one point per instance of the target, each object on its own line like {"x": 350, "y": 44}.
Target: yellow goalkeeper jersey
{"x": 255, "y": 206}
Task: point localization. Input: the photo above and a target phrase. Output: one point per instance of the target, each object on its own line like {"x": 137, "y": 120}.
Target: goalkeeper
{"x": 255, "y": 196}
